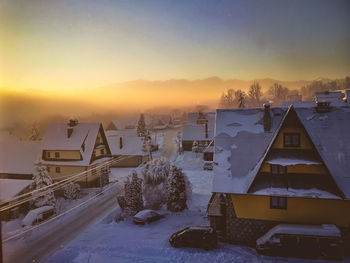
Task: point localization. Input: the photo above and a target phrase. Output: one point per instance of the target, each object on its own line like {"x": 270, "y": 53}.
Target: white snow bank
{"x": 291, "y": 161}
{"x": 314, "y": 193}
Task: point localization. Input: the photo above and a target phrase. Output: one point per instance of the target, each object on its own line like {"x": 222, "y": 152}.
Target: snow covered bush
{"x": 133, "y": 194}
{"x": 154, "y": 175}
{"x": 42, "y": 179}
{"x": 71, "y": 191}
{"x": 157, "y": 186}
{"x": 178, "y": 190}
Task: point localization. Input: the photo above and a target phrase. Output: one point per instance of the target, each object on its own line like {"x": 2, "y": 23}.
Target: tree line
{"x": 277, "y": 93}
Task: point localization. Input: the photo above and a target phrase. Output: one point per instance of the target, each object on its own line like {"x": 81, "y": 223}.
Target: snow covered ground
{"x": 109, "y": 241}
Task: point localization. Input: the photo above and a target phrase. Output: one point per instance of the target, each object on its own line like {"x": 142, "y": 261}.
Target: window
{"x": 291, "y": 140}
{"x": 102, "y": 151}
{"x": 57, "y": 155}
{"x": 48, "y": 154}
{"x": 48, "y": 169}
{"x": 278, "y": 169}
{"x": 58, "y": 169}
{"x": 277, "y": 202}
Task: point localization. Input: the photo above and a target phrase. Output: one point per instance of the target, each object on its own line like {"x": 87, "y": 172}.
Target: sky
{"x": 67, "y": 45}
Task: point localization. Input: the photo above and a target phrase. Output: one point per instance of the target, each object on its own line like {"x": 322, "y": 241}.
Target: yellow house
{"x": 280, "y": 165}
{"x": 73, "y": 148}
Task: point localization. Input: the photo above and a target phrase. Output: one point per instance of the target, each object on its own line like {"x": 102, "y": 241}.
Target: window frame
{"x": 102, "y": 151}
{"x": 48, "y": 155}
{"x": 291, "y": 139}
{"x": 279, "y": 169}
{"x": 57, "y": 154}
{"x": 279, "y": 205}
{"x": 58, "y": 169}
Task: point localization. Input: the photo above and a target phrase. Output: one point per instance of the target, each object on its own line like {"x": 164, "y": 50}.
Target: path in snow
{"x": 169, "y": 147}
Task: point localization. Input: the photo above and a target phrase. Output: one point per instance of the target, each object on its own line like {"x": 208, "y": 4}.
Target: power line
{"x": 58, "y": 216}
{"x": 55, "y": 186}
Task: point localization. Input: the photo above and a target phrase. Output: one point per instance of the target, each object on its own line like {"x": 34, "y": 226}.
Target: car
{"x": 208, "y": 166}
{"x": 37, "y": 215}
{"x": 195, "y": 236}
{"x": 302, "y": 241}
{"x": 146, "y": 216}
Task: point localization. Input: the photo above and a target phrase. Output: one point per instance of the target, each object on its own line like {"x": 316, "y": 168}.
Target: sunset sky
{"x": 61, "y": 44}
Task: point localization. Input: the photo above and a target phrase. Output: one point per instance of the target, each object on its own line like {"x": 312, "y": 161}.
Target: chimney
{"x": 267, "y": 117}
{"x": 206, "y": 130}
{"x": 73, "y": 122}
{"x": 120, "y": 142}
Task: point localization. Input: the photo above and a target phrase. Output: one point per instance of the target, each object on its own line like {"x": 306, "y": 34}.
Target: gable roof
{"x": 132, "y": 144}
{"x": 56, "y": 139}
{"x": 239, "y": 161}
{"x": 16, "y": 156}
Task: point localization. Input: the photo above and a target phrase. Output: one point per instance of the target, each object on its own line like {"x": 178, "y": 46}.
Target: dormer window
{"x": 102, "y": 151}
{"x": 57, "y": 155}
{"x": 291, "y": 140}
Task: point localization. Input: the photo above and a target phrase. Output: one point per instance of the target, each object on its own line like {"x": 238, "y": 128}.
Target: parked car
{"x": 195, "y": 236}
{"x": 146, "y": 216}
{"x": 208, "y": 166}
{"x": 37, "y": 215}
{"x": 302, "y": 241}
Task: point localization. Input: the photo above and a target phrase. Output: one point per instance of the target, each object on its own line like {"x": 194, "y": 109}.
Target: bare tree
{"x": 227, "y": 100}
{"x": 278, "y": 93}
{"x": 255, "y": 93}
{"x": 240, "y": 97}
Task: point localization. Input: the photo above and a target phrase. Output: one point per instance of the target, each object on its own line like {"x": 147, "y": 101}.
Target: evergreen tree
{"x": 133, "y": 194}
{"x": 141, "y": 127}
{"x": 176, "y": 190}
{"x": 42, "y": 179}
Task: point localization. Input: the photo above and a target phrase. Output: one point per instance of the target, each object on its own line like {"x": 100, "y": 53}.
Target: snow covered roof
{"x": 56, "y": 139}
{"x": 16, "y": 156}
{"x": 125, "y": 124}
{"x": 132, "y": 144}
{"x": 314, "y": 192}
{"x": 11, "y": 187}
{"x": 241, "y": 144}
{"x": 299, "y": 104}
{"x": 196, "y": 132}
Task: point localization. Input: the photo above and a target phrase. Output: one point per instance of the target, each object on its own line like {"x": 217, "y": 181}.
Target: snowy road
{"x": 44, "y": 241}
{"x": 169, "y": 148}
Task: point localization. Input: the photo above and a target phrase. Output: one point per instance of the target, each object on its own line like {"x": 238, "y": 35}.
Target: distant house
{"x": 200, "y": 128}
{"x": 126, "y": 146}
{"x": 332, "y": 98}
{"x": 280, "y": 166}
{"x": 72, "y": 148}
{"x": 17, "y": 160}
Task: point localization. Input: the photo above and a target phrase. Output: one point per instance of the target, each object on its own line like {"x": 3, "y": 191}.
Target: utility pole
{"x": 1, "y": 238}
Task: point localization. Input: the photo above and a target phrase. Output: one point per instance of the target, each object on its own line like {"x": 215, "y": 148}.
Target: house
{"x": 73, "y": 148}
{"x": 17, "y": 157}
{"x": 127, "y": 145}
{"x": 200, "y": 128}
{"x": 333, "y": 98}
{"x": 280, "y": 165}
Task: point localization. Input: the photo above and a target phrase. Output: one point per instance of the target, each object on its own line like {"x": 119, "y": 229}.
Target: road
{"x": 169, "y": 147}
{"x": 40, "y": 248}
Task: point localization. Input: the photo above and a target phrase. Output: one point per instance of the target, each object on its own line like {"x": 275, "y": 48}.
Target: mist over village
{"x": 174, "y": 131}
